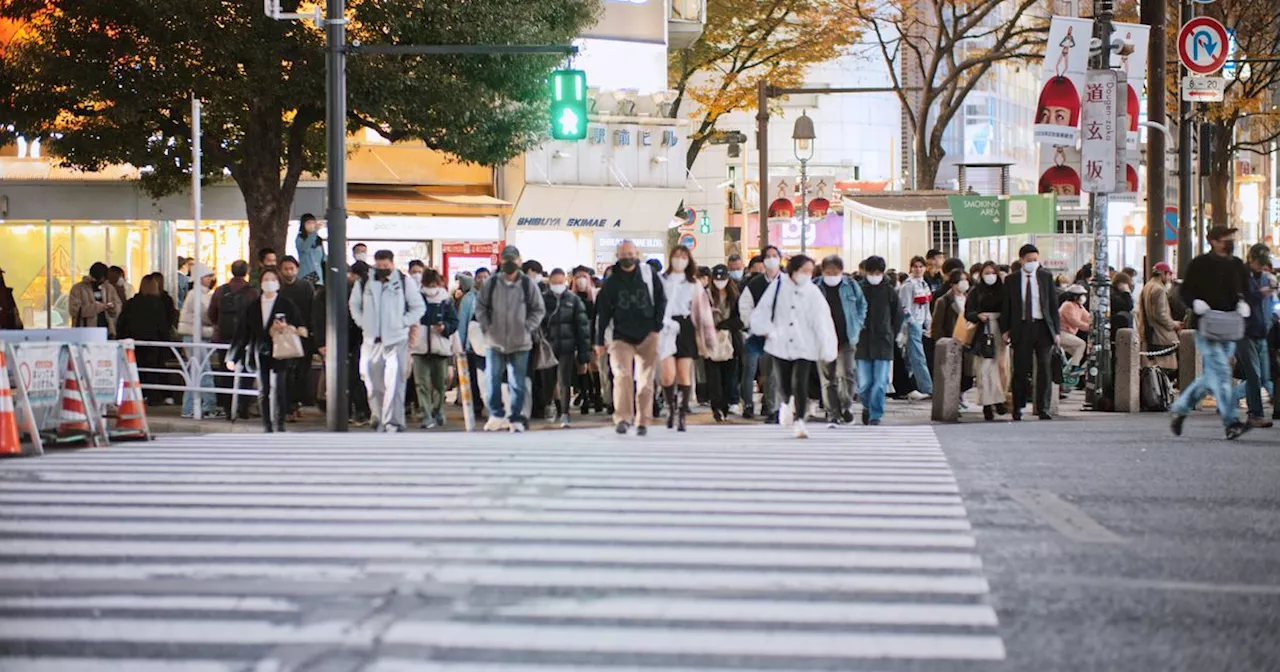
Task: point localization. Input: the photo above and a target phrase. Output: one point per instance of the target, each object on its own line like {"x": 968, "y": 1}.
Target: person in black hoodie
{"x": 629, "y": 312}
{"x": 589, "y": 387}
{"x": 875, "y": 344}
{"x": 253, "y": 345}
{"x": 301, "y": 293}
{"x": 147, "y": 317}
{"x": 568, "y": 329}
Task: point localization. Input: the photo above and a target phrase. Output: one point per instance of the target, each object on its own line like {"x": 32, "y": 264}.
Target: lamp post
{"x": 803, "y": 136}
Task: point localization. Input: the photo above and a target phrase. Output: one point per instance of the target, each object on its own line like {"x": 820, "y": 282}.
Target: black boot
{"x": 988, "y": 413}
{"x": 685, "y": 392}
{"x": 669, "y": 398}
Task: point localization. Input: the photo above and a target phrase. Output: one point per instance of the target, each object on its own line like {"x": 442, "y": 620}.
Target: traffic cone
{"x": 74, "y": 421}
{"x": 132, "y": 413}
{"x": 10, "y": 439}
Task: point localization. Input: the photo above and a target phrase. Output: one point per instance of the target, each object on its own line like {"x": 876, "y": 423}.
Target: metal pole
{"x": 1099, "y": 390}
{"x": 1153, "y": 15}
{"x": 1185, "y": 170}
{"x": 336, "y": 372}
{"x": 194, "y": 357}
{"x": 762, "y": 147}
{"x": 804, "y": 204}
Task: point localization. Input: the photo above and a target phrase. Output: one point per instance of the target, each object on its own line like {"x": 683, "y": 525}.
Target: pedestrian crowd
{"x": 649, "y": 338}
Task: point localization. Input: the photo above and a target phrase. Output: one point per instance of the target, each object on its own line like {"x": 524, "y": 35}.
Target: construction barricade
{"x": 116, "y": 389}
{"x": 54, "y": 389}
{"x": 16, "y": 419}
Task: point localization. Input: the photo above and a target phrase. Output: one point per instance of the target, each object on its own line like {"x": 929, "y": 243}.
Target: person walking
{"x": 848, "y": 307}
{"x": 269, "y": 316}
{"x": 874, "y": 353}
{"x": 466, "y": 320}
{"x": 687, "y": 329}
{"x": 226, "y": 307}
{"x": 1074, "y": 318}
{"x": 1252, "y": 353}
{"x": 1030, "y": 323}
{"x": 799, "y": 333}
{"x": 311, "y": 255}
{"x": 1156, "y": 325}
{"x": 983, "y": 308}
{"x": 756, "y": 360}
{"x": 916, "y": 298}
{"x": 429, "y": 343}
{"x": 94, "y": 302}
{"x": 1215, "y": 285}
{"x": 568, "y": 330}
{"x": 386, "y": 307}
{"x": 629, "y": 313}
{"x": 188, "y": 322}
{"x": 301, "y": 293}
{"x": 509, "y": 311}
{"x": 589, "y": 389}
{"x": 725, "y": 353}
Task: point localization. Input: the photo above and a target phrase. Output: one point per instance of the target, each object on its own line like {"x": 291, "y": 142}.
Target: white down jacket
{"x": 800, "y": 327}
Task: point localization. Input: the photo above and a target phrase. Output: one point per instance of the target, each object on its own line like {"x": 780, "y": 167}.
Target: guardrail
{"x": 194, "y": 364}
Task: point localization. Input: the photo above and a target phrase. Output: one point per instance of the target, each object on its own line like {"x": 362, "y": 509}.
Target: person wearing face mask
{"x": 467, "y": 320}
{"x": 1157, "y": 328}
{"x": 94, "y": 302}
{"x": 799, "y": 333}
{"x": 590, "y": 395}
{"x": 269, "y": 314}
{"x": 629, "y": 318}
{"x": 301, "y": 293}
{"x": 874, "y": 354}
{"x": 1215, "y": 285}
{"x": 722, "y": 361}
{"x": 430, "y": 345}
{"x": 1029, "y": 322}
{"x": 568, "y": 330}
{"x": 916, "y": 298}
{"x": 737, "y": 268}
{"x": 1074, "y": 317}
{"x": 509, "y": 311}
{"x": 360, "y": 252}
{"x": 188, "y": 322}
{"x": 687, "y": 330}
{"x": 848, "y": 307}
{"x": 311, "y": 255}
{"x": 991, "y": 365}
{"x": 756, "y": 359}
{"x": 386, "y": 306}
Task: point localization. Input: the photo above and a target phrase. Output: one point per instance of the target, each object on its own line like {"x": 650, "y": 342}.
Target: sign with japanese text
{"x": 40, "y": 371}
{"x": 102, "y": 361}
{"x": 1098, "y": 132}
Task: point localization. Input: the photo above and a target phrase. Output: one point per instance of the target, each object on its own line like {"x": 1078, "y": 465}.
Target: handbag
{"x": 1057, "y": 363}
{"x": 722, "y": 349}
{"x": 544, "y": 356}
{"x": 984, "y": 346}
{"x": 287, "y": 344}
{"x": 1222, "y": 325}
{"x": 964, "y": 331}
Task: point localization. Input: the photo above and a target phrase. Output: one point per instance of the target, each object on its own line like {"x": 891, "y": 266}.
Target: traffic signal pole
{"x": 1154, "y": 15}
{"x": 1186, "y": 172}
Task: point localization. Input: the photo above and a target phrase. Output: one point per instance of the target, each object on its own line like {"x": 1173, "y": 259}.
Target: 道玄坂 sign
{"x": 1098, "y": 132}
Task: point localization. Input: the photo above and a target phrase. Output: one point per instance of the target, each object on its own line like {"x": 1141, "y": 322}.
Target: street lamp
{"x": 803, "y": 137}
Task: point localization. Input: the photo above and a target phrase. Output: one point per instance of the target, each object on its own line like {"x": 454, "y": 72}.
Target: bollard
{"x": 1127, "y": 397}
{"x": 948, "y": 367}
{"x": 1054, "y": 390}
{"x": 1188, "y": 360}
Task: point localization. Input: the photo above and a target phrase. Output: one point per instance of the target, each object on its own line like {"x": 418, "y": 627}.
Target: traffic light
{"x": 705, "y": 227}
{"x": 568, "y": 105}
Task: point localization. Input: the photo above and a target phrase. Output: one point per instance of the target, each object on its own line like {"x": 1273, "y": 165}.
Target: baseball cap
{"x": 1162, "y": 267}
{"x": 510, "y": 252}
{"x": 1220, "y": 232}
{"x": 720, "y": 272}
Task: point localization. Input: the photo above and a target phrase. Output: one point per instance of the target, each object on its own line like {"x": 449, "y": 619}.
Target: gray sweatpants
{"x": 384, "y": 370}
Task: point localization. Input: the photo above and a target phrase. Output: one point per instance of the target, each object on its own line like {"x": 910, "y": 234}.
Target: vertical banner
{"x": 1134, "y": 66}
{"x": 103, "y": 362}
{"x": 1066, "y": 59}
{"x": 782, "y": 204}
{"x": 1060, "y": 173}
{"x": 1099, "y": 134}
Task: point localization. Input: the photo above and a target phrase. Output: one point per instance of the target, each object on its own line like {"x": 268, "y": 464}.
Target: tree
{"x": 111, "y": 82}
{"x": 1246, "y": 120}
{"x": 938, "y": 51}
{"x": 749, "y": 41}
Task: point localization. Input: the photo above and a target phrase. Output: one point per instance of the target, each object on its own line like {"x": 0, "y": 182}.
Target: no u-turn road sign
{"x": 1202, "y": 45}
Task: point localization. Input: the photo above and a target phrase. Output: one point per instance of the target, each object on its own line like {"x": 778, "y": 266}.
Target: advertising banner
{"x": 1062, "y": 81}
{"x": 103, "y": 363}
{"x": 1099, "y": 132}
{"x": 1135, "y": 68}
{"x": 1060, "y": 173}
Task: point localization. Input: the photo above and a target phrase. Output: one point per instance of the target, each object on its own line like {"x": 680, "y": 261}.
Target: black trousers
{"x": 1032, "y": 352}
{"x": 721, "y": 383}
{"x": 273, "y": 416}
{"x": 793, "y": 376}
{"x": 356, "y": 390}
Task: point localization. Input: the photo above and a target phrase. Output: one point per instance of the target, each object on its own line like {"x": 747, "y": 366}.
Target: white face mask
{"x": 990, "y": 278}
{"x": 773, "y": 263}
{"x": 362, "y": 256}
{"x": 270, "y": 286}
{"x": 558, "y": 289}
{"x": 802, "y": 278}
{"x": 437, "y": 293}
{"x": 679, "y": 264}
{"x": 1083, "y": 298}
{"x": 963, "y": 285}
{"x": 581, "y": 284}
{"x": 417, "y": 278}
{"x": 721, "y": 284}
{"x": 736, "y": 275}
{"x": 1031, "y": 266}
{"x": 875, "y": 279}
{"x": 832, "y": 280}
{"x": 535, "y": 277}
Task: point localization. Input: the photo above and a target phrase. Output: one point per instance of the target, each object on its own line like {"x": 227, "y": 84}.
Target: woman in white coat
{"x": 796, "y": 322}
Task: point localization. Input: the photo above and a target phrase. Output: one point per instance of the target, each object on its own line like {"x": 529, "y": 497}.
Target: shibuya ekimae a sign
{"x": 569, "y": 222}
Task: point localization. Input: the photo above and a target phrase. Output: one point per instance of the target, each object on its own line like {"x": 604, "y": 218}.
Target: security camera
{"x": 1121, "y": 46}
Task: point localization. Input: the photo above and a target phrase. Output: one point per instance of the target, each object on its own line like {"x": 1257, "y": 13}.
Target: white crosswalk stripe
{"x": 723, "y": 548}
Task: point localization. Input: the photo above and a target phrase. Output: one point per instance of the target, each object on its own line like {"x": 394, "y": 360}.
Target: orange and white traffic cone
{"x": 10, "y": 438}
{"x": 73, "y": 420}
{"x": 131, "y": 418}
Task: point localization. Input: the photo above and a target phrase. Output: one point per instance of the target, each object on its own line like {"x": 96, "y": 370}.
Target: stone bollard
{"x": 1127, "y": 397}
{"x": 948, "y": 367}
{"x": 1054, "y": 390}
{"x": 1188, "y": 360}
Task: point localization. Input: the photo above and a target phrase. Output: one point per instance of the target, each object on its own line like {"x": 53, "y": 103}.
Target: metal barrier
{"x": 194, "y": 363}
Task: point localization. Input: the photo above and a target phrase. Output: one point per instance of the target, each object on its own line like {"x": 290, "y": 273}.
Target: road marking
{"x": 150, "y": 602}
{"x": 1067, "y": 519}
{"x": 116, "y": 665}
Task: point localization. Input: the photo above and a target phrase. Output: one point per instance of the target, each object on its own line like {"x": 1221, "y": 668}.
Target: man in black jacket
{"x": 1029, "y": 321}
{"x": 874, "y": 353}
{"x": 302, "y": 293}
{"x": 629, "y": 312}
{"x": 357, "y": 395}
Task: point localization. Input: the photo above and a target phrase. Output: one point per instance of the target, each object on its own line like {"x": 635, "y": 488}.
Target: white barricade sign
{"x": 103, "y": 363}
{"x": 40, "y": 374}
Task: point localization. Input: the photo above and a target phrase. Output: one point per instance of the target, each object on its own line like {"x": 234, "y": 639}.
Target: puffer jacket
{"x": 187, "y": 316}
{"x": 386, "y": 310}
{"x": 424, "y": 340}
{"x": 801, "y": 326}
{"x": 567, "y": 326}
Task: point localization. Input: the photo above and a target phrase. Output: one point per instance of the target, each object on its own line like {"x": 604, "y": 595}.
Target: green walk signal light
{"x": 705, "y": 227}
{"x": 568, "y": 105}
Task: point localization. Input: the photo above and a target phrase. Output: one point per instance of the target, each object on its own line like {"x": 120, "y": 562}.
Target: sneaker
{"x": 440, "y": 421}
{"x": 564, "y": 421}
{"x": 874, "y": 423}
{"x": 517, "y": 427}
{"x": 394, "y": 429}
{"x": 735, "y": 409}
{"x": 748, "y": 413}
{"x": 429, "y": 423}
{"x": 496, "y": 424}
{"x": 866, "y": 417}
{"x": 642, "y": 431}
{"x": 1237, "y": 430}
{"x": 846, "y": 417}
{"x": 786, "y": 416}
{"x": 800, "y": 431}
{"x": 360, "y": 422}
{"x": 188, "y": 416}
{"x": 1261, "y": 423}
{"x": 1176, "y": 424}
{"x": 917, "y": 395}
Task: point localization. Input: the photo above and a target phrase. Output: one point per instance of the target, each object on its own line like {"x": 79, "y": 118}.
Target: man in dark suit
{"x": 1029, "y": 322}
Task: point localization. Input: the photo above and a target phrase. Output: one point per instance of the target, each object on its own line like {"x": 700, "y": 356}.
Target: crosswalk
{"x": 723, "y": 548}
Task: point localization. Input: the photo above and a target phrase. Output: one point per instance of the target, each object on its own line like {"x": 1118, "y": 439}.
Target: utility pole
{"x": 1099, "y": 389}
{"x": 762, "y": 146}
{"x": 336, "y": 345}
{"x": 1186, "y": 173}
{"x": 1154, "y": 15}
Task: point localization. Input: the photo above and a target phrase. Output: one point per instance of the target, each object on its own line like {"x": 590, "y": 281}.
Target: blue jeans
{"x": 750, "y": 366}
{"x": 1215, "y": 380}
{"x": 873, "y": 383}
{"x": 208, "y": 401}
{"x": 916, "y": 357}
{"x": 1252, "y": 354}
{"x": 516, "y": 366}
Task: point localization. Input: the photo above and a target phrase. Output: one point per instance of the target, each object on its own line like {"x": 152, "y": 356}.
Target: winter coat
{"x": 9, "y": 316}
{"x": 310, "y": 257}
{"x": 801, "y": 327}
{"x": 438, "y": 344}
{"x": 386, "y": 310}
{"x": 916, "y": 299}
{"x": 1121, "y": 311}
{"x": 320, "y": 321}
{"x": 1157, "y": 329}
{"x": 1074, "y": 317}
{"x": 252, "y": 343}
{"x": 884, "y": 320}
{"x": 630, "y": 306}
{"x": 946, "y": 315}
{"x": 85, "y": 310}
{"x": 510, "y": 313}
{"x": 567, "y": 326}
{"x": 302, "y": 294}
{"x": 467, "y": 313}
{"x": 984, "y": 299}
{"x": 145, "y": 318}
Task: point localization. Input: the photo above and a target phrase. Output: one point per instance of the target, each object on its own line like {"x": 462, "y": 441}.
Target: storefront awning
{"x": 371, "y": 201}
{"x": 547, "y": 208}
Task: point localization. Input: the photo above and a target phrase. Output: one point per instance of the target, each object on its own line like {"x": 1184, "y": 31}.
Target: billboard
{"x": 631, "y": 21}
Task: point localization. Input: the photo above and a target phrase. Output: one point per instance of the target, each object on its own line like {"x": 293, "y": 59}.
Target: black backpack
{"x": 231, "y": 308}
{"x": 1155, "y": 389}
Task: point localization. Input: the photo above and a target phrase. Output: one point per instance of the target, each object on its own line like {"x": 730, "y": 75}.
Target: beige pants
{"x": 634, "y": 366}
{"x": 1075, "y": 346}
{"x": 993, "y": 374}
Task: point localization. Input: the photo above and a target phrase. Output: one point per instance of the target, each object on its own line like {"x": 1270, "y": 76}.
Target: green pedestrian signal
{"x": 569, "y": 105}
{"x": 705, "y": 227}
